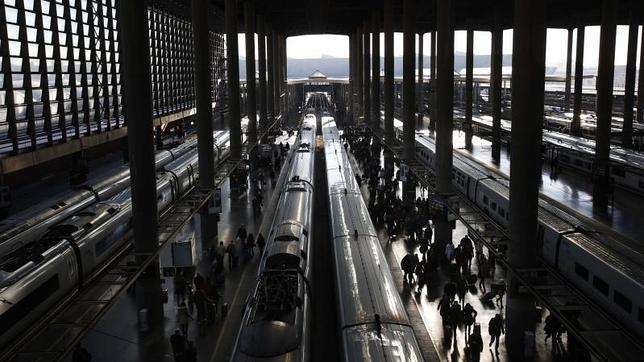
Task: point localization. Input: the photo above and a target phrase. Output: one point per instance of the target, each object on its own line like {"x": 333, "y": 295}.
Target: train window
{"x": 485, "y": 200}
{"x": 501, "y": 211}
{"x": 623, "y": 301}
{"x": 640, "y": 315}
{"x": 581, "y": 271}
{"x": 600, "y": 285}
{"x": 578, "y": 162}
{"x": 641, "y": 183}
{"x": 493, "y": 206}
{"x": 27, "y": 304}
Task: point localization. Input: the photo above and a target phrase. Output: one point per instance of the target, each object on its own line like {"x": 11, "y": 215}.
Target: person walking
{"x": 261, "y": 243}
{"x": 407, "y": 265}
{"x": 469, "y": 317}
{"x": 475, "y": 344}
{"x": 495, "y": 328}
{"x": 178, "y": 343}
{"x": 179, "y": 283}
{"x": 183, "y": 318}
{"x": 250, "y": 242}
{"x": 232, "y": 254}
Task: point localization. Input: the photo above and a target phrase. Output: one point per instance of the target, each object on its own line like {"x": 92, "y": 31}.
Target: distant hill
{"x": 339, "y": 67}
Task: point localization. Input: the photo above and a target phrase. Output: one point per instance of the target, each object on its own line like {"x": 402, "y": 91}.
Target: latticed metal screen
{"x": 61, "y": 73}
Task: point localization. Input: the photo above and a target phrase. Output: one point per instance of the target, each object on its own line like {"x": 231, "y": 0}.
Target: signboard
{"x": 214, "y": 204}
{"x": 404, "y": 170}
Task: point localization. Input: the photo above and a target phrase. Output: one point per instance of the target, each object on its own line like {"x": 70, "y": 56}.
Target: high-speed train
{"x": 589, "y": 259}
{"x": 29, "y": 225}
{"x": 372, "y": 321}
{"x": 35, "y": 277}
{"x": 578, "y": 153}
{"x": 277, "y": 316}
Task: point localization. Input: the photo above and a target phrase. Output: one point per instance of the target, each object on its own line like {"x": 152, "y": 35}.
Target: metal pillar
{"x": 232, "y": 73}
{"x": 575, "y": 126}
{"x": 420, "y": 94}
{"x": 640, "y": 88}
{"x": 251, "y": 105}
{"x": 135, "y": 59}
{"x": 389, "y": 68}
{"x": 444, "y": 110}
{"x": 409, "y": 104}
{"x": 275, "y": 70}
{"x": 528, "y": 64}
{"x": 261, "y": 42}
{"x": 352, "y": 78}
{"x": 469, "y": 75}
{"x": 409, "y": 8}
{"x": 629, "y": 86}
{"x": 432, "y": 83}
{"x": 203, "y": 89}
{"x": 375, "y": 71}
{"x": 270, "y": 91}
{"x": 359, "y": 73}
{"x": 496, "y": 82}
{"x": 568, "y": 72}
{"x": 605, "y": 75}
{"x": 367, "y": 74}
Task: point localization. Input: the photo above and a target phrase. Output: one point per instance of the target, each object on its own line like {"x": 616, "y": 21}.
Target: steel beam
{"x": 575, "y": 126}
{"x": 389, "y": 69}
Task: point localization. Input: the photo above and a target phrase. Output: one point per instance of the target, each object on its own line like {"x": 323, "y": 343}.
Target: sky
{"x": 316, "y": 46}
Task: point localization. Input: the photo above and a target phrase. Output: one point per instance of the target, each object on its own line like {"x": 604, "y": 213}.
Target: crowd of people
{"x": 413, "y": 221}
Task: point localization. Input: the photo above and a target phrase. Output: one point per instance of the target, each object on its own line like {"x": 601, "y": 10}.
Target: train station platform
{"x": 422, "y": 301}
{"x": 118, "y": 333}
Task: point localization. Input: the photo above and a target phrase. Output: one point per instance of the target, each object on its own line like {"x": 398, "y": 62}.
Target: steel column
{"x": 528, "y": 63}
{"x": 261, "y": 42}
{"x": 389, "y": 68}
{"x": 568, "y": 71}
{"x": 444, "y": 110}
{"x": 276, "y": 74}
{"x": 202, "y": 92}
{"x": 366, "y": 38}
{"x": 135, "y": 62}
{"x": 432, "y": 83}
{"x": 420, "y": 94}
{"x": 375, "y": 71}
{"x": 409, "y": 119}
{"x": 270, "y": 91}
{"x": 360, "y": 67}
{"x": 575, "y": 126}
{"x": 496, "y": 82}
{"x": 469, "y": 75}
{"x": 629, "y": 86}
{"x": 251, "y": 105}
{"x": 232, "y": 57}
{"x": 605, "y": 76}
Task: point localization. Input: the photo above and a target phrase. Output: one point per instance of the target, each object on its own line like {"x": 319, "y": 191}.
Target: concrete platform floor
{"x": 425, "y": 300}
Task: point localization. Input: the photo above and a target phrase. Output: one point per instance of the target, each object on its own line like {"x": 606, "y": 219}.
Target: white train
{"x": 38, "y": 275}
{"x": 588, "y": 259}
{"x": 372, "y": 321}
{"x": 578, "y": 153}
{"x": 277, "y": 316}
{"x": 29, "y": 225}
{"x": 626, "y": 166}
